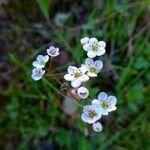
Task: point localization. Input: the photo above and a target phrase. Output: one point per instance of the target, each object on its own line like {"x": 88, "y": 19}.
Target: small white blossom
{"x": 53, "y": 51}
{"x": 76, "y": 76}
{"x": 105, "y": 103}
{"x": 90, "y": 114}
{"x": 93, "y": 68}
{"x": 83, "y": 92}
{"x": 93, "y": 47}
{"x": 97, "y": 127}
{"x": 37, "y": 73}
{"x": 40, "y": 61}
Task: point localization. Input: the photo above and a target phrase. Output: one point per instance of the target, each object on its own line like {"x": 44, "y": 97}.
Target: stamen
{"x": 104, "y": 105}
{"x": 92, "y": 69}
{"x": 92, "y": 114}
{"x": 77, "y": 74}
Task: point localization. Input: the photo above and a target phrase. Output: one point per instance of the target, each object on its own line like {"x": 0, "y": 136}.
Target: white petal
{"x": 38, "y": 65}
{"x": 71, "y": 69}
{"x": 112, "y": 108}
{"x": 93, "y": 40}
{"x": 51, "y": 48}
{"x": 86, "y": 47}
{"x": 57, "y": 50}
{"x": 83, "y": 78}
{"x": 91, "y": 121}
{"x": 42, "y": 72}
{"x": 97, "y": 127}
{"x": 98, "y": 64}
{"x": 100, "y": 51}
{"x": 90, "y": 74}
{"x": 40, "y": 58}
{"x": 89, "y": 62}
{"x": 34, "y": 77}
{"x": 83, "y": 69}
{"x": 84, "y": 40}
{"x": 38, "y": 71}
{"x": 46, "y": 58}
{"x": 112, "y": 100}
{"x": 102, "y": 44}
{"x": 86, "y": 108}
{"x": 56, "y": 54}
{"x": 99, "y": 113}
{"x": 95, "y": 102}
{"x": 34, "y": 70}
{"x": 91, "y": 54}
{"x": 68, "y": 77}
{"x": 104, "y": 111}
{"x": 75, "y": 83}
{"x": 84, "y": 117}
{"x": 102, "y": 96}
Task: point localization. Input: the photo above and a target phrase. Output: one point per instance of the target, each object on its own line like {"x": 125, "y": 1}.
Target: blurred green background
{"x": 32, "y": 114}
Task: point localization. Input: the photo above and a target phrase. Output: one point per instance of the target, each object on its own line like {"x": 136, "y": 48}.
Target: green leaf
{"x": 141, "y": 63}
{"x": 44, "y": 6}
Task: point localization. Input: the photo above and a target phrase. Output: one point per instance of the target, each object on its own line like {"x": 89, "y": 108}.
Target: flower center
{"x": 83, "y": 93}
{"x": 104, "y": 105}
{"x": 53, "y": 52}
{"x": 92, "y": 114}
{"x": 92, "y": 69}
{"x": 38, "y": 73}
{"x": 77, "y": 74}
{"x": 94, "y": 47}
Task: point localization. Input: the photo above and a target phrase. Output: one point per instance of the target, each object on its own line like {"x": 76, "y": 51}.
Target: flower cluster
{"x": 78, "y": 76}
{"x": 41, "y": 61}
{"x": 103, "y": 104}
{"x": 91, "y": 68}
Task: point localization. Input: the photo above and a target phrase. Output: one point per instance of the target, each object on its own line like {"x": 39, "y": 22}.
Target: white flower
{"x": 93, "y": 68}
{"x": 93, "y": 47}
{"x": 53, "y": 51}
{"x": 90, "y": 114}
{"x": 105, "y": 103}
{"x": 76, "y": 75}
{"x": 37, "y": 73}
{"x": 40, "y": 61}
{"x": 97, "y": 127}
{"x": 83, "y": 92}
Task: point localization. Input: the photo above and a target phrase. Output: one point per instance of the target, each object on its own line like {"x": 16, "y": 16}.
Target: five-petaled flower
{"x": 97, "y": 126}
{"x": 83, "y": 92}
{"x": 40, "y": 61}
{"x": 93, "y": 46}
{"x": 53, "y": 51}
{"x": 37, "y": 73}
{"x": 93, "y": 68}
{"x": 105, "y": 103}
{"x": 76, "y": 75}
{"x": 90, "y": 114}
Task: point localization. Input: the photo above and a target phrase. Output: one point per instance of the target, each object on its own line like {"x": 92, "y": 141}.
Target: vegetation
{"x": 32, "y": 113}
